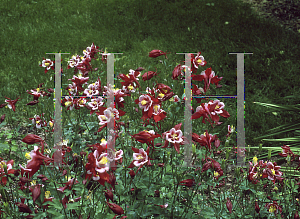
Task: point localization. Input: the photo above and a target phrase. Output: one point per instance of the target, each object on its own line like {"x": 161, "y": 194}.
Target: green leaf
{"x": 4, "y": 147}
{"x": 74, "y": 205}
{"x": 14, "y": 148}
{"x": 54, "y": 212}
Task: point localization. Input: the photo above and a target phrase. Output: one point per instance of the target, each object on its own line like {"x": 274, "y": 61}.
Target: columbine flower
{"x": 140, "y": 158}
{"x": 12, "y": 103}
{"x": 72, "y": 89}
{"x": 286, "y": 152}
{"x": 273, "y": 207}
{"x": 145, "y": 102}
{"x": 80, "y": 102}
{"x": 156, "y": 53}
{"x": 69, "y": 103}
{"x": 229, "y": 205}
{"x": 47, "y": 63}
{"x": 92, "y": 90}
{"x": 174, "y": 136}
{"x": 199, "y": 60}
{"x": 38, "y": 121}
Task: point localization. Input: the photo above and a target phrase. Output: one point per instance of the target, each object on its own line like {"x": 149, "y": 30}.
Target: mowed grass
{"x": 134, "y": 27}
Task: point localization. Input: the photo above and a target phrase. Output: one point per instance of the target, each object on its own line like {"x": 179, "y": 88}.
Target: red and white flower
{"x": 69, "y": 102}
{"x": 145, "y": 102}
{"x": 48, "y": 64}
{"x": 95, "y": 103}
{"x": 72, "y": 89}
{"x": 174, "y": 136}
{"x": 102, "y": 162}
{"x": 11, "y": 103}
{"x": 74, "y": 61}
{"x": 92, "y": 90}
{"x": 199, "y": 60}
{"x": 38, "y": 121}
{"x": 140, "y": 158}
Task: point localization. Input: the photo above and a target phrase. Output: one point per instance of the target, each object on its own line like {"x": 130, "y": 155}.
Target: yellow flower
{"x": 104, "y": 160}
{"x": 68, "y": 178}
{"x": 27, "y": 155}
{"x": 216, "y": 174}
{"x": 272, "y": 209}
{"x": 275, "y": 188}
{"x": 273, "y": 171}
{"x": 161, "y": 95}
{"x": 47, "y": 194}
{"x": 33, "y": 182}
{"x": 255, "y": 160}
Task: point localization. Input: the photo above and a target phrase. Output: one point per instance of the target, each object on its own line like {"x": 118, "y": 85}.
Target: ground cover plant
{"x": 141, "y": 187}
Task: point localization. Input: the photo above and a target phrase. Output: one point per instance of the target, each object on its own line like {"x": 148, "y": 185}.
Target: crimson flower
{"x": 33, "y": 165}
{"x": 109, "y": 195}
{"x": 36, "y": 191}
{"x": 115, "y": 208}
{"x": 12, "y": 103}
{"x": 296, "y": 215}
{"x": 273, "y": 207}
{"x": 2, "y": 118}
{"x": 3, "y": 105}
{"x": 156, "y": 53}
{"x": 140, "y": 158}
{"x": 214, "y": 165}
{"x": 23, "y": 208}
{"x": 146, "y": 137}
{"x": 209, "y": 77}
{"x": 175, "y": 137}
{"x": 91, "y": 51}
{"x": 187, "y": 182}
{"x": 132, "y": 173}
{"x": 212, "y": 109}
{"x": 257, "y": 209}
{"x": 177, "y": 71}
{"x": 286, "y": 151}
{"x": 130, "y": 78}
{"x": 48, "y": 64}
{"x": 79, "y": 81}
{"x": 272, "y": 171}
{"x": 148, "y": 75}
{"x": 229, "y": 205}
{"x": 85, "y": 66}
{"x": 68, "y": 185}
{"x": 33, "y": 102}
{"x": 68, "y": 102}
{"x": 199, "y": 60}
{"x": 8, "y": 165}
{"x": 206, "y": 140}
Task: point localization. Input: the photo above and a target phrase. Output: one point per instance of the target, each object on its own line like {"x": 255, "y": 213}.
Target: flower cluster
{"x": 262, "y": 170}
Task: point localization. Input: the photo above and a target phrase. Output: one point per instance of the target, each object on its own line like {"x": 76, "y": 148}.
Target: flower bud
{"x": 229, "y": 205}
{"x": 257, "y": 207}
{"x": 296, "y": 215}
{"x": 132, "y": 173}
